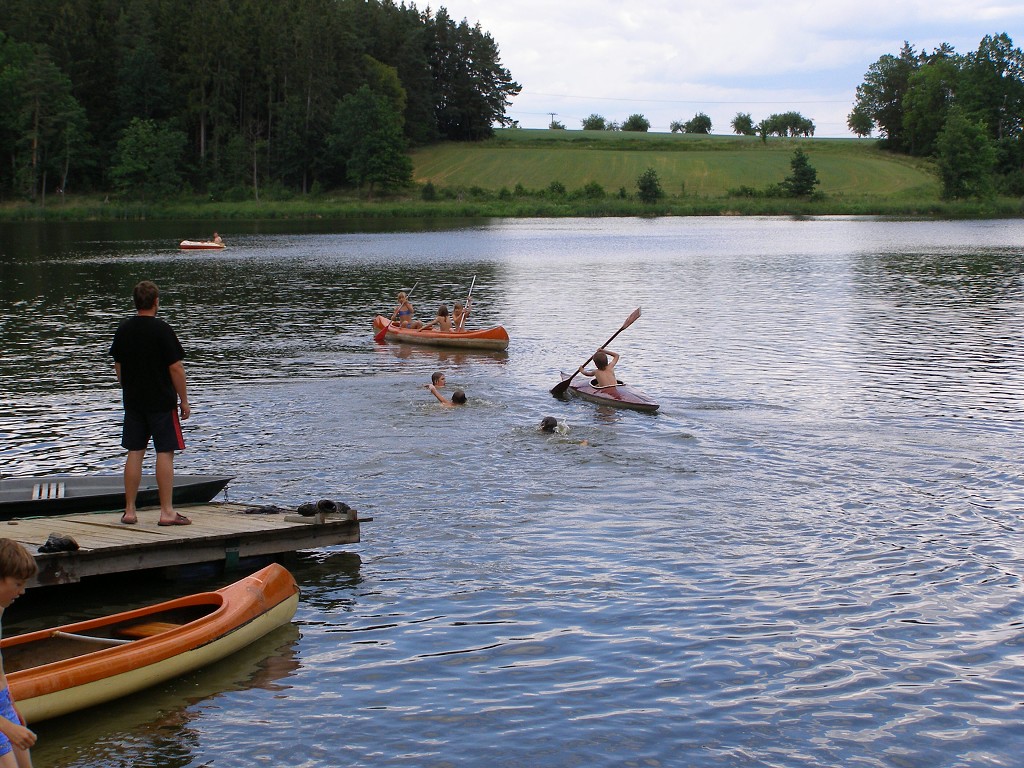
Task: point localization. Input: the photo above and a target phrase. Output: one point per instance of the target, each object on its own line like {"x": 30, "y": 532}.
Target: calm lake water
{"x": 812, "y": 556}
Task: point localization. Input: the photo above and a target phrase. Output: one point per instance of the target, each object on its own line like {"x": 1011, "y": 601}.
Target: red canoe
{"x": 620, "y": 395}
{"x": 495, "y": 338}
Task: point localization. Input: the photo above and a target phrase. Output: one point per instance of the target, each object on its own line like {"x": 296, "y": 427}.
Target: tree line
{"x": 230, "y": 97}
{"x": 786, "y": 124}
{"x": 966, "y": 111}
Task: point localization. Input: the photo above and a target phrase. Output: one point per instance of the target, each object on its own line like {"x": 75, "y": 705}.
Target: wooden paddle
{"x": 561, "y": 387}
{"x": 465, "y": 310}
{"x": 383, "y": 332}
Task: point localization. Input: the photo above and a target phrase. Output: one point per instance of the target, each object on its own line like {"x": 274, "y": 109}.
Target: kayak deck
{"x": 619, "y": 395}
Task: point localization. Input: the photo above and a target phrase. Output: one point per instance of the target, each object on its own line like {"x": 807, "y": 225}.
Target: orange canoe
{"x": 56, "y": 671}
{"x": 487, "y": 338}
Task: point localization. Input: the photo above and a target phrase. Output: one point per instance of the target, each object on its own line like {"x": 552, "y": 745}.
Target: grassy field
{"x": 686, "y": 164}
{"x": 509, "y": 176}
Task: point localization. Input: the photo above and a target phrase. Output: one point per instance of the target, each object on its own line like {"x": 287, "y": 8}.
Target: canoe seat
{"x": 50, "y": 490}
{"x": 147, "y": 629}
{"x": 89, "y": 639}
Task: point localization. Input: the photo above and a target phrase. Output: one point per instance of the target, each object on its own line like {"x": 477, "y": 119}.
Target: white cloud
{"x": 669, "y": 59}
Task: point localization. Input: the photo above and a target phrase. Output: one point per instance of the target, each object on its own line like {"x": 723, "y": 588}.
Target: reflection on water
{"x": 810, "y": 556}
{"x": 154, "y": 727}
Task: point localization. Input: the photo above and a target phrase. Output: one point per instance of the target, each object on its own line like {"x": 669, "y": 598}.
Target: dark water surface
{"x": 812, "y": 556}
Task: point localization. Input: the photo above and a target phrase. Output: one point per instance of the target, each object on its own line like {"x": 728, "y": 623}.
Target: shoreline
{"x": 78, "y": 209}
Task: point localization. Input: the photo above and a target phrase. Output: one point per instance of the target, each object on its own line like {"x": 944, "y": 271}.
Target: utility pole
{"x": 553, "y": 114}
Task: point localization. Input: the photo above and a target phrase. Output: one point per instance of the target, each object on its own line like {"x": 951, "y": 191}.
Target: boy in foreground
{"x": 16, "y": 567}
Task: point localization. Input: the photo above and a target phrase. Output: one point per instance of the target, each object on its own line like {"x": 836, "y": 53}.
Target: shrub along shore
{"x": 542, "y": 174}
{"x": 328, "y": 208}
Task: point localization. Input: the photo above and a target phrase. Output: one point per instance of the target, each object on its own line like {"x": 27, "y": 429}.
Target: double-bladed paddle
{"x": 561, "y": 387}
{"x": 383, "y": 332}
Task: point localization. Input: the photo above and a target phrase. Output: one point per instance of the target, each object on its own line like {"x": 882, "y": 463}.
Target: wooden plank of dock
{"x": 220, "y": 531}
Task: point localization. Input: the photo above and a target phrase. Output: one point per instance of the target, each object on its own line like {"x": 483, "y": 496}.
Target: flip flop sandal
{"x": 178, "y": 520}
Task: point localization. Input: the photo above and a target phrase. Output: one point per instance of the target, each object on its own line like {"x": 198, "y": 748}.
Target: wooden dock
{"x": 220, "y": 532}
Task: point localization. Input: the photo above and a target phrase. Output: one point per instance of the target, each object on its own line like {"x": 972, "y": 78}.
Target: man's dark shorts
{"x": 163, "y": 427}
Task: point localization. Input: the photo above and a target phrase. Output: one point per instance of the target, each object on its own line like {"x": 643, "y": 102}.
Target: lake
{"x": 811, "y": 556}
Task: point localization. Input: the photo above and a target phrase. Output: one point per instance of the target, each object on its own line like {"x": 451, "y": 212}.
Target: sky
{"x": 671, "y": 59}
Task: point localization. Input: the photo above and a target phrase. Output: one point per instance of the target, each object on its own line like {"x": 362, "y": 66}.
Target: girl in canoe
{"x": 406, "y": 313}
{"x": 604, "y": 369}
{"x": 441, "y": 322}
{"x": 16, "y": 567}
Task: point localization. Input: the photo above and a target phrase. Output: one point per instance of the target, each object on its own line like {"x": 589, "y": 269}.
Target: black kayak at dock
{"x": 63, "y": 494}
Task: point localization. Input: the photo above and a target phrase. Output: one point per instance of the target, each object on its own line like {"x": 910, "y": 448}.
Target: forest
{"x": 964, "y": 110}
{"x": 234, "y": 98}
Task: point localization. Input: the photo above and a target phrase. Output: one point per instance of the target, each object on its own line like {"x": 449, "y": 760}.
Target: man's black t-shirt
{"x": 145, "y": 346}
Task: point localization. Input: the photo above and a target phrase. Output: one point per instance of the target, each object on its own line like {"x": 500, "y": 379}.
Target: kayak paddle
{"x": 383, "y": 332}
{"x": 561, "y": 387}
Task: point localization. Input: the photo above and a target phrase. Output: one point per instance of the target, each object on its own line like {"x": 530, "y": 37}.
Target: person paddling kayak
{"x": 604, "y": 368}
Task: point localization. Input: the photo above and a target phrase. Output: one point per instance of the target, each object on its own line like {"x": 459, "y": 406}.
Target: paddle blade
{"x": 630, "y": 320}
{"x": 381, "y": 334}
{"x": 561, "y": 388}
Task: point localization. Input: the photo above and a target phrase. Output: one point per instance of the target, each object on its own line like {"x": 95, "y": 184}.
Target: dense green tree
{"x": 743, "y": 124}
{"x": 860, "y": 122}
{"x": 786, "y": 124}
{"x": 143, "y": 86}
{"x": 367, "y": 136}
{"x": 966, "y": 157}
{"x": 254, "y": 83}
{"x": 992, "y": 86}
{"x": 803, "y": 177}
{"x": 147, "y": 164}
{"x": 911, "y": 98}
{"x": 14, "y": 61}
{"x": 930, "y": 91}
{"x": 636, "y": 122}
{"x": 699, "y": 123}
{"x": 648, "y": 186}
{"x": 881, "y": 94}
{"x": 472, "y": 90}
{"x": 593, "y": 123}
{"x": 43, "y": 126}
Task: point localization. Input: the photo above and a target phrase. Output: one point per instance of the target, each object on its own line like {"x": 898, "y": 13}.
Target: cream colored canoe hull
{"x": 242, "y": 613}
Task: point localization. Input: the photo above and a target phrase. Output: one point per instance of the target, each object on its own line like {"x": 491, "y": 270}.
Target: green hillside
{"x": 706, "y": 165}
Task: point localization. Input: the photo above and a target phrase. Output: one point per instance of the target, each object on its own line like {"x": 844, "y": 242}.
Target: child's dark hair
{"x": 601, "y": 360}
{"x": 443, "y": 311}
{"x": 15, "y": 561}
{"x": 548, "y": 424}
{"x": 459, "y": 397}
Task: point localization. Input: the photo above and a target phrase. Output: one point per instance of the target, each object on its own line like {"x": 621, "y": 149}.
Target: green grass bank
{"x": 544, "y": 173}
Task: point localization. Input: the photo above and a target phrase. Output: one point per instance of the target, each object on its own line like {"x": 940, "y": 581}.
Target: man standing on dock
{"x": 147, "y": 359}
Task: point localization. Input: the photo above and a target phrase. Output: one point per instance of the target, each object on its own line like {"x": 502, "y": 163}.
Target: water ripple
{"x": 811, "y": 556}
